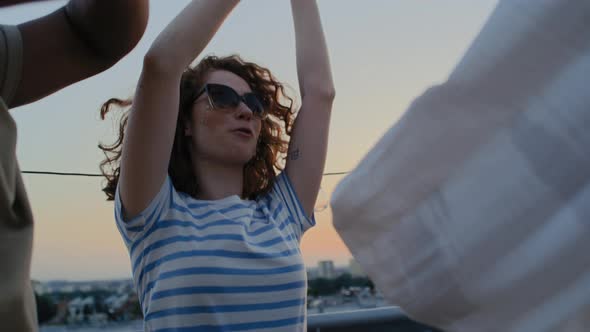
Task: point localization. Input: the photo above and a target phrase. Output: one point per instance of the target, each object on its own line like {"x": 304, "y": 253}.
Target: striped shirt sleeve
{"x": 131, "y": 229}
{"x": 284, "y": 192}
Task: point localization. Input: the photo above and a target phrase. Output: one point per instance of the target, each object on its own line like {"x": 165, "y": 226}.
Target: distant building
{"x": 69, "y": 289}
{"x": 114, "y": 303}
{"x": 86, "y": 287}
{"x": 326, "y": 269}
{"x": 39, "y": 288}
{"x": 355, "y": 269}
{"x": 341, "y": 270}
{"x": 312, "y": 273}
{"x": 79, "y": 309}
{"x": 125, "y": 287}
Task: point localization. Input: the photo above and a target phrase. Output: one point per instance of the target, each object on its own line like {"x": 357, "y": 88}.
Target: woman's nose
{"x": 243, "y": 111}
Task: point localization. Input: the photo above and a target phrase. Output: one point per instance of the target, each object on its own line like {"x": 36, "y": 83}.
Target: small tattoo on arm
{"x": 294, "y": 154}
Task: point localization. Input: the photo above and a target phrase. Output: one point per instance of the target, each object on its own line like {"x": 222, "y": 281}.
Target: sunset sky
{"x": 384, "y": 53}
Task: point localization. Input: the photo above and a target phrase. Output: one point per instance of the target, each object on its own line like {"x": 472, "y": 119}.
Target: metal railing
{"x": 390, "y": 319}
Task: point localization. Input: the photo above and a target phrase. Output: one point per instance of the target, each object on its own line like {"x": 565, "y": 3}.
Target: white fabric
{"x": 472, "y": 213}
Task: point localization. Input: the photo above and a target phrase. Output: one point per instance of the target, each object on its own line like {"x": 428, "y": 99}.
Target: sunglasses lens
{"x": 252, "y": 101}
{"x": 223, "y": 96}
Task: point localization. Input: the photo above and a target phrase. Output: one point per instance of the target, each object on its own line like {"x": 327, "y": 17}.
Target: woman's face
{"x": 227, "y": 135}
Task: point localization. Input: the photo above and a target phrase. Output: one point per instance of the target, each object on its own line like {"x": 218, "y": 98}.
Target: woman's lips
{"x": 243, "y": 132}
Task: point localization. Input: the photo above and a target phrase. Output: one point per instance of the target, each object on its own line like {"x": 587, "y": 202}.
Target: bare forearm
{"x": 4, "y": 3}
{"x": 313, "y": 64}
{"x": 68, "y": 47}
{"x": 188, "y": 34}
{"x": 111, "y": 28}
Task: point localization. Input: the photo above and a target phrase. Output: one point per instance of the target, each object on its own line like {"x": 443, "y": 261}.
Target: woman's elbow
{"x": 160, "y": 63}
{"x": 329, "y": 93}
{"x": 324, "y": 94}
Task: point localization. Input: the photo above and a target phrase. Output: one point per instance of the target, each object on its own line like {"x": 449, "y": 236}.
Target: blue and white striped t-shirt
{"x": 223, "y": 265}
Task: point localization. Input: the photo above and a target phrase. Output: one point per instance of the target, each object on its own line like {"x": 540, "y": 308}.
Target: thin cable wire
{"x": 335, "y": 173}
{"x": 61, "y": 173}
{"x": 100, "y": 175}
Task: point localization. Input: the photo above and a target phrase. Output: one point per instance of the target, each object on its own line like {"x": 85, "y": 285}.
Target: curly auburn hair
{"x": 259, "y": 172}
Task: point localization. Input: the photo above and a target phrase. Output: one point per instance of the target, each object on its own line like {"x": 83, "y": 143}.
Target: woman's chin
{"x": 239, "y": 158}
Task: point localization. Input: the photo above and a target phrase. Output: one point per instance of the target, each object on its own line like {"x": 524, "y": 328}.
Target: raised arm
{"x": 152, "y": 121}
{"x": 77, "y": 41}
{"x": 5, "y": 3}
{"x": 309, "y": 139}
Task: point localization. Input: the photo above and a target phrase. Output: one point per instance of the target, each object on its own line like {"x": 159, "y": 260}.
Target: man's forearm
{"x": 111, "y": 28}
{"x": 4, "y": 3}
{"x": 76, "y": 42}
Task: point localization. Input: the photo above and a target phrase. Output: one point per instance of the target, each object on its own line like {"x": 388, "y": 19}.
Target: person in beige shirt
{"x": 38, "y": 58}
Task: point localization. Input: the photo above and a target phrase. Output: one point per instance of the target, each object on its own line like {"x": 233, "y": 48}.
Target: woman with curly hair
{"x": 210, "y": 217}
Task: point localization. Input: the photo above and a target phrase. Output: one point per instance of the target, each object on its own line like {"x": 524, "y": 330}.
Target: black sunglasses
{"x": 222, "y": 96}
